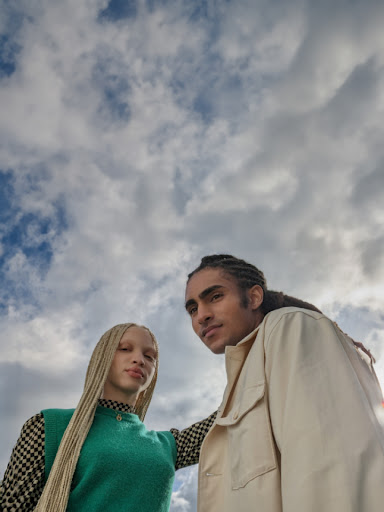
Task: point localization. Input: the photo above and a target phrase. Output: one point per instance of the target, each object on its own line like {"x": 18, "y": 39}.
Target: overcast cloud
{"x": 138, "y": 136}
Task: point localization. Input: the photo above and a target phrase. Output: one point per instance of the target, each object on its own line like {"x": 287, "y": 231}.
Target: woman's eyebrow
{"x": 124, "y": 342}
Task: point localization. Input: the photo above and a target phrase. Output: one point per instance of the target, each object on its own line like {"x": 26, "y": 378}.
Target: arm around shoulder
{"x": 189, "y": 441}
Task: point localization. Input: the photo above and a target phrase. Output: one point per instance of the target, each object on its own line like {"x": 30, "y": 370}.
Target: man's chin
{"x": 216, "y": 347}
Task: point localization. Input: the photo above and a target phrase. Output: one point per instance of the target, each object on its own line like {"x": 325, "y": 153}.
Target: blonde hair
{"x": 57, "y": 488}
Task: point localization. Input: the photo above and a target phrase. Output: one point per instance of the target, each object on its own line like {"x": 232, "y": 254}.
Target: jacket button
{"x": 118, "y": 417}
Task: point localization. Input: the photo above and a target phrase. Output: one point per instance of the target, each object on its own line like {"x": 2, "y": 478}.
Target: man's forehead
{"x": 206, "y": 278}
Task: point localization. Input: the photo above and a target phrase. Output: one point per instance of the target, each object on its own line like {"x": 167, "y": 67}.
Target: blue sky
{"x": 138, "y": 136}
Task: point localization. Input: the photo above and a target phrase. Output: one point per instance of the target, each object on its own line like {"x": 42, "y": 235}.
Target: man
{"x": 300, "y": 428}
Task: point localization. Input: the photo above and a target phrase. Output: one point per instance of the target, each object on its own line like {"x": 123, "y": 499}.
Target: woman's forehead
{"x": 137, "y": 334}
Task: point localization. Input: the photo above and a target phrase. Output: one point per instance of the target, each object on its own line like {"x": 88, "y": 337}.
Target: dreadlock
{"x": 275, "y": 300}
{"x": 247, "y": 275}
{"x": 56, "y": 491}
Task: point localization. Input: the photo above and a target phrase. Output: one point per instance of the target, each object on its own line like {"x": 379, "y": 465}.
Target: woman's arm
{"x": 189, "y": 440}
{"x": 24, "y": 477}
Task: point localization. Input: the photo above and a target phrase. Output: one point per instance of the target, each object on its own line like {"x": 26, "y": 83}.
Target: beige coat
{"x": 300, "y": 428}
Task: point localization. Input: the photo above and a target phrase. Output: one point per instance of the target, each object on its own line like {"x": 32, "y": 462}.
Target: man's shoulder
{"x": 289, "y": 314}
{"x": 278, "y": 313}
{"x": 295, "y": 326}
{"x": 284, "y": 318}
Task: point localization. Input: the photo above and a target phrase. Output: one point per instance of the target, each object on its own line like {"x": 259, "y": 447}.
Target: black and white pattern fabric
{"x": 189, "y": 441}
{"x": 23, "y": 480}
{"x": 116, "y": 406}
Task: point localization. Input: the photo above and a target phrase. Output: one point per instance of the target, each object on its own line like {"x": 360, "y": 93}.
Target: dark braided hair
{"x": 247, "y": 275}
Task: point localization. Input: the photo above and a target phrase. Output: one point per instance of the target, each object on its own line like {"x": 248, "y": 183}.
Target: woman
{"x": 100, "y": 455}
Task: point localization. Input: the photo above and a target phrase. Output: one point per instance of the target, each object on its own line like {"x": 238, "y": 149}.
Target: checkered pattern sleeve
{"x": 23, "y": 480}
{"x": 189, "y": 440}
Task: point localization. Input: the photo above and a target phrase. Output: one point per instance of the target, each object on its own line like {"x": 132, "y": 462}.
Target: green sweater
{"x": 122, "y": 466}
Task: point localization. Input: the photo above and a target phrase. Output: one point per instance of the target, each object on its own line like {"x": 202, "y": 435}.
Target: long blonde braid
{"x": 56, "y": 491}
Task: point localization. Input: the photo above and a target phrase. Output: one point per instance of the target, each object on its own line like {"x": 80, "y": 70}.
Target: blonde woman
{"x": 100, "y": 456}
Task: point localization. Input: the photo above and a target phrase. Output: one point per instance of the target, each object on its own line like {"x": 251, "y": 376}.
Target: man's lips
{"x": 210, "y": 331}
{"x": 135, "y": 372}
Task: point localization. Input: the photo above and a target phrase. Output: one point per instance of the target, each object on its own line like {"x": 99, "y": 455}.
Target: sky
{"x": 137, "y": 136}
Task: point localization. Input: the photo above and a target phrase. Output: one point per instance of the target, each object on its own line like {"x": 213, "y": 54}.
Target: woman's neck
{"x": 121, "y": 398}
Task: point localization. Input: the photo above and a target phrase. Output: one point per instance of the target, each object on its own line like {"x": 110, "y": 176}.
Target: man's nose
{"x": 204, "y": 314}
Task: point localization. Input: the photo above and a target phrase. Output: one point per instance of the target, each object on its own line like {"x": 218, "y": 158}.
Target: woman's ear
{"x": 256, "y": 295}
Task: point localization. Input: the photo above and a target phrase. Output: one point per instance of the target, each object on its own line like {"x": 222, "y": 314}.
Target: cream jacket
{"x": 300, "y": 428}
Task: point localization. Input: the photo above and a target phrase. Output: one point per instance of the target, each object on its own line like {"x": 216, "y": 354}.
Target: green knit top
{"x": 122, "y": 465}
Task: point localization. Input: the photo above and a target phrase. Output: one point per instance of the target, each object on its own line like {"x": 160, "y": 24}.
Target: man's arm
{"x": 325, "y": 408}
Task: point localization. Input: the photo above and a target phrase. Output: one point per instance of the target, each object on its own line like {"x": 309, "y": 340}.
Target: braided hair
{"x": 56, "y": 491}
{"x": 246, "y": 276}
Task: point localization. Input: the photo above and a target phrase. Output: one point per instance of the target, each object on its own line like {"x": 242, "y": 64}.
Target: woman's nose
{"x": 138, "y": 358}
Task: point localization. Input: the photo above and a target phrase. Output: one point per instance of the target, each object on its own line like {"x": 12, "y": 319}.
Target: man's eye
{"x": 217, "y": 296}
{"x": 193, "y": 310}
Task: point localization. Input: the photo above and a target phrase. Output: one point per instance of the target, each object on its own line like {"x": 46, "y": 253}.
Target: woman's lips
{"x": 136, "y": 374}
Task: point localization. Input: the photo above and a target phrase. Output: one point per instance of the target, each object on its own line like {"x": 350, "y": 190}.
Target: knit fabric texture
{"x": 122, "y": 466}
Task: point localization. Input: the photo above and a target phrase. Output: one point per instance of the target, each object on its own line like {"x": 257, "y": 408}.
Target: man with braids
{"x": 300, "y": 428}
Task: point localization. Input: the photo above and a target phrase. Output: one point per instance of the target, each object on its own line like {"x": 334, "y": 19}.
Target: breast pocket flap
{"x": 248, "y": 398}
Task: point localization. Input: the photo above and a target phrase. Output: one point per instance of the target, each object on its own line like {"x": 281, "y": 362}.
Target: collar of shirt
{"x": 116, "y": 406}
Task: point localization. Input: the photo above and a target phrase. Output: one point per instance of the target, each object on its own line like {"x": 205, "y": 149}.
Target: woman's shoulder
{"x": 36, "y": 418}
{"x": 37, "y": 421}
{"x": 34, "y": 422}
{"x": 58, "y": 412}
{"x": 57, "y": 415}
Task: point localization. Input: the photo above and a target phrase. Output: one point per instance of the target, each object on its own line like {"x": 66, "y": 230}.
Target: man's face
{"x": 217, "y": 310}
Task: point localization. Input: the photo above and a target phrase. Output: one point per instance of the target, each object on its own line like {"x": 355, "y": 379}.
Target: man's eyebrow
{"x": 203, "y": 294}
{"x": 189, "y": 303}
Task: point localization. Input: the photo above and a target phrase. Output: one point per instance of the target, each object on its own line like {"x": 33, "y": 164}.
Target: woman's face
{"x": 132, "y": 368}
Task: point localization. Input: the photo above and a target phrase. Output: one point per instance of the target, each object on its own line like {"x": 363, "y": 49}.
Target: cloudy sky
{"x": 137, "y": 136}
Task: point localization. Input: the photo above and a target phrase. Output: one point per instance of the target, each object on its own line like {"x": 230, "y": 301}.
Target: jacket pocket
{"x": 251, "y": 450}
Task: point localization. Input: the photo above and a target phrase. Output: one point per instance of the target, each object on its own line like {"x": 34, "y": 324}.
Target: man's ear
{"x": 256, "y": 295}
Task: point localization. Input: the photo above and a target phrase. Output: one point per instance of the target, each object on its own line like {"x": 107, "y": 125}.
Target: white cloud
{"x": 183, "y": 500}
{"x": 47, "y": 344}
{"x": 136, "y": 147}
